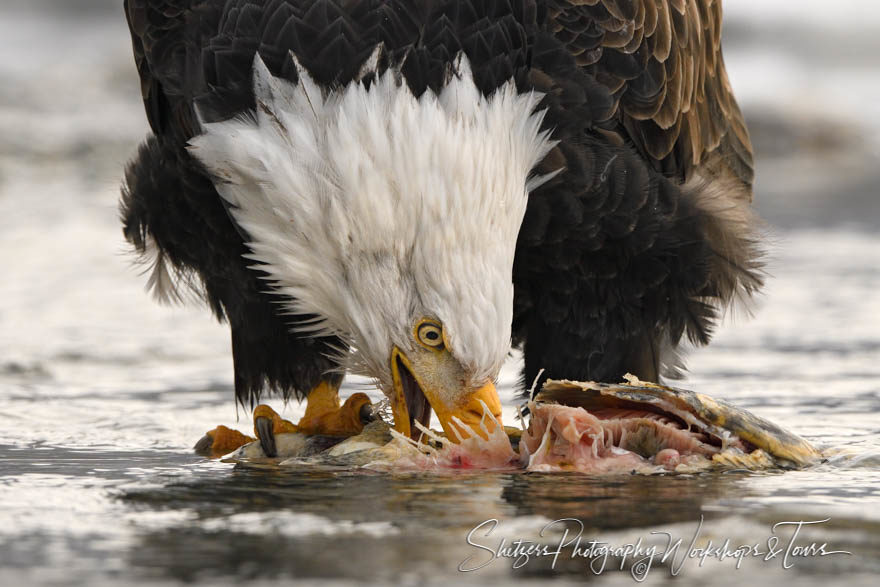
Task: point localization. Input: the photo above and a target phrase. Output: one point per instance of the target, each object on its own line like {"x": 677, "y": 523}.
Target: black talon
{"x": 266, "y": 436}
{"x": 203, "y": 446}
{"x": 367, "y": 415}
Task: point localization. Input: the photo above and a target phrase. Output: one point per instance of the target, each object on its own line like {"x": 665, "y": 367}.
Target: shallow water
{"x": 103, "y": 393}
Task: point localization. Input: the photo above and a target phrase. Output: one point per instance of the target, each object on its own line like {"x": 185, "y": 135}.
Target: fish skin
{"x": 780, "y": 448}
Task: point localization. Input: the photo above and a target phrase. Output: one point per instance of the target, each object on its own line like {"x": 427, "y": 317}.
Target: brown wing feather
{"x": 662, "y": 59}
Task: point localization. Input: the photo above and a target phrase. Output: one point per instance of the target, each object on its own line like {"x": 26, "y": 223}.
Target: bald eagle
{"x": 407, "y": 189}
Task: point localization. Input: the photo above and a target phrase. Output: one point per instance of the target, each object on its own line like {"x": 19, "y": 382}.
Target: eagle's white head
{"x": 391, "y": 219}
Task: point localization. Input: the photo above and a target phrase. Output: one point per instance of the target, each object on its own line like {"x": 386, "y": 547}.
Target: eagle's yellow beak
{"x": 434, "y": 379}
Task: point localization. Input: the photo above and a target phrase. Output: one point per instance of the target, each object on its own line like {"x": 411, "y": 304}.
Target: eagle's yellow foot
{"x": 324, "y": 416}
{"x": 220, "y": 441}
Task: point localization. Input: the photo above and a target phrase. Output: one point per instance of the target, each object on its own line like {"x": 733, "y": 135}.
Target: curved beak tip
{"x": 477, "y": 414}
{"x": 422, "y": 384}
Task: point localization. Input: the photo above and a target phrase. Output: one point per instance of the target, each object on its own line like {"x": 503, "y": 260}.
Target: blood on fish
{"x": 471, "y": 452}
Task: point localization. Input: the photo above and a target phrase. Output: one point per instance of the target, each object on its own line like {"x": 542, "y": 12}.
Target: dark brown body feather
{"x": 636, "y": 243}
{"x": 662, "y": 61}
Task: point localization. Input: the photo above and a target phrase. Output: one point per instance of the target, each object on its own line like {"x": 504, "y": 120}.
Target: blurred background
{"x": 103, "y": 392}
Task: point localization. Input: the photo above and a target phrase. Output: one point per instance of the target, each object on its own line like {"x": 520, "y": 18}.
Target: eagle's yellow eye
{"x": 430, "y": 334}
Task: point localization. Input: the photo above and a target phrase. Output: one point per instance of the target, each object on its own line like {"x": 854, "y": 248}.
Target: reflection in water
{"x": 268, "y": 523}
{"x": 271, "y": 523}
{"x": 631, "y": 501}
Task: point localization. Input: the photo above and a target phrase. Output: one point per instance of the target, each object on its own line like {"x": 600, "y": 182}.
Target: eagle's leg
{"x": 324, "y": 414}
